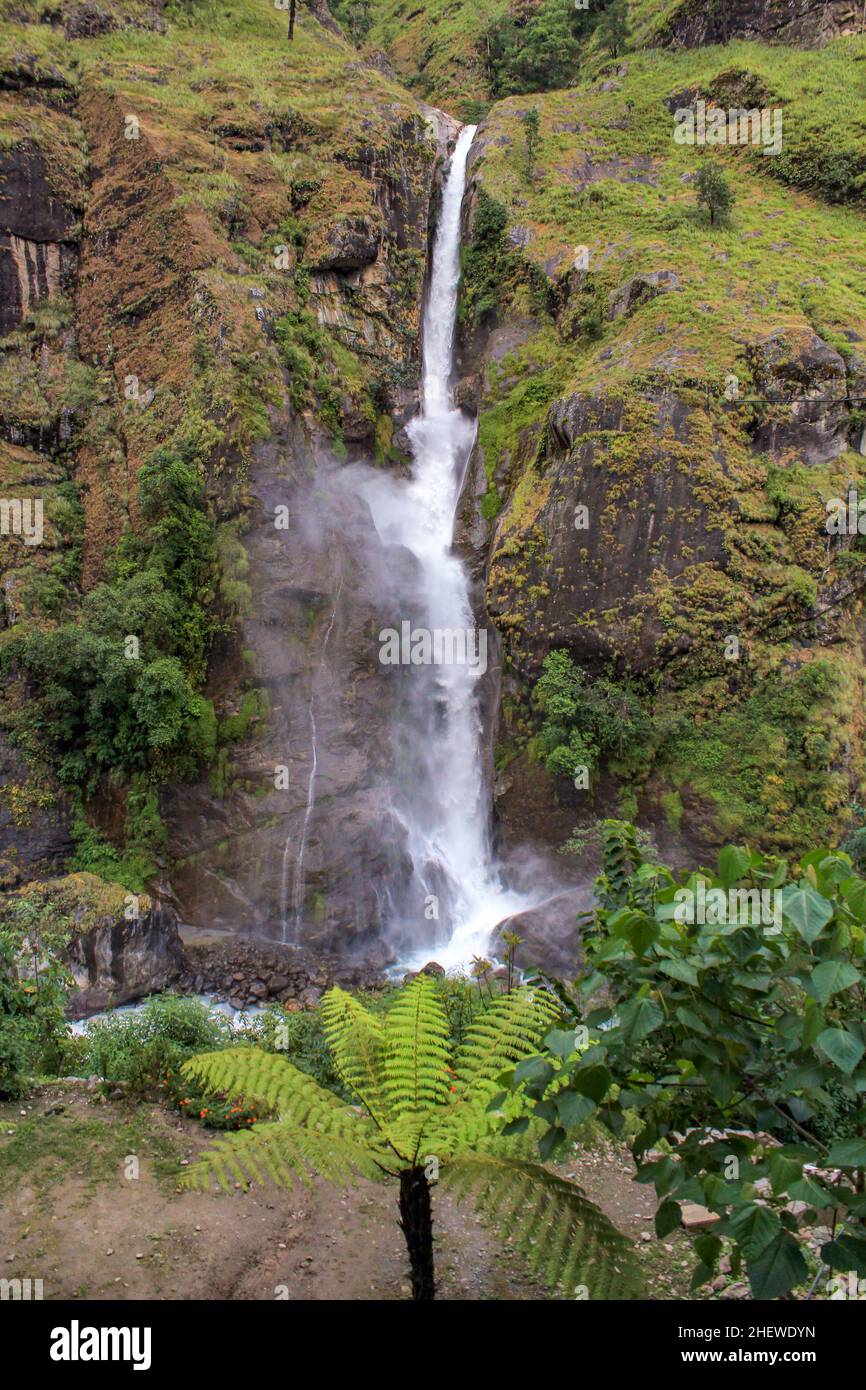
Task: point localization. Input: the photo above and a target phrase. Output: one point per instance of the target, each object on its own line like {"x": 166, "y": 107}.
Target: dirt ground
{"x": 89, "y": 1204}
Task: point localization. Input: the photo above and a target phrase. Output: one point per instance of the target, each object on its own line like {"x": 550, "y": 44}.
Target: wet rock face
{"x": 807, "y": 23}
{"x": 37, "y": 259}
{"x": 312, "y": 854}
{"x": 122, "y": 961}
{"x": 608, "y": 529}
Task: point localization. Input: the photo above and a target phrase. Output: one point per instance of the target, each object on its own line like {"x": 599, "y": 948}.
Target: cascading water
{"x": 456, "y": 897}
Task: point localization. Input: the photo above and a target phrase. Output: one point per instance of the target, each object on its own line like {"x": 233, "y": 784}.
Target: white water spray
{"x": 457, "y": 898}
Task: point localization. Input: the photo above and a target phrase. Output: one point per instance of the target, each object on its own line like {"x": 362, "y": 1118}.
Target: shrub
{"x": 143, "y": 1048}
{"x": 34, "y": 981}
{"x": 735, "y": 1035}
{"x": 582, "y": 721}
{"x": 105, "y": 707}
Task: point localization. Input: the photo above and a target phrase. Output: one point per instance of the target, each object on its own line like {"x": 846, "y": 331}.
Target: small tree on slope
{"x": 418, "y": 1111}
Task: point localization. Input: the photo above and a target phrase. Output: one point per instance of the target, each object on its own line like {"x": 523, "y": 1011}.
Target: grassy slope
{"x": 787, "y": 261}
{"x": 437, "y": 48}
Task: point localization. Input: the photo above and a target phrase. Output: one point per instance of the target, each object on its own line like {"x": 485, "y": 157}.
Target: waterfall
{"x": 456, "y": 897}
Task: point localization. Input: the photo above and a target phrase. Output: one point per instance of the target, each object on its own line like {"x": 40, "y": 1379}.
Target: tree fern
{"x": 564, "y": 1237}
{"x": 414, "y": 1107}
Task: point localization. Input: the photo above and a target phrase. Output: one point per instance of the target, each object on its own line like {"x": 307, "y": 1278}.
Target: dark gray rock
{"x": 118, "y": 960}
{"x": 351, "y": 243}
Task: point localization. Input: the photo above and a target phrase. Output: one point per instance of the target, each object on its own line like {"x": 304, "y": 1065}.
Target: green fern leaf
{"x": 565, "y": 1238}
{"x": 416, "y": 1050}
{"x": 284, "y": 1156}
{"x": 248, "y": 1073}
{"x": 356, "y": 1039}
{"x": 510, "y": 1029}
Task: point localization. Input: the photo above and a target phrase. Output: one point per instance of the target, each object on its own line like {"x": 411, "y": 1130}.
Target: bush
{"x": 144, "y": 1048}
{"x": 584, "y": 722}
{"x": 104, "y": 705}
{"x": 731, "y": 1025}
{"x": 34, "y": 981}
{"x": 536, "y": 49}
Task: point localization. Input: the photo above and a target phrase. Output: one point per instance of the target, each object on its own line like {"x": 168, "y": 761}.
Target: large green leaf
{"x": 638, "y": 1018}
{"x": 847, "y": 1251}
{"x": 733, "y": 864}
{"x": 754, "y": 1228}
{"x": 807, "y": 910}
{"x": 681, "y": 970}
{"x": 668, "y": 1218}
{"x": 843, "y": 1049}
{"x": 847, "y": 1153}
{"x": 830, "y": 978}
{"x": 778, "y": 1269}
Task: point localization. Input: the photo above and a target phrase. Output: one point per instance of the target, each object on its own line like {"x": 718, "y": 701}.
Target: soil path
{"x": 88, "y": 1203}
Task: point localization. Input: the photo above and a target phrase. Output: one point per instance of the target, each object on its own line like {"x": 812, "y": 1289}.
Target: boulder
{"x": 551, "y": 940}
{"x": 117, "y": 960}
{"x": 803, "y": 386}
{"x": 119, "y": 946}
{"x": 639, "y": 289}
{"x": 350, "y": 244}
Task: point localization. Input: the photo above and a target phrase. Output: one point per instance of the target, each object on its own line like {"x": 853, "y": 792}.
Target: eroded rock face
{"x": 804, "y": 385}
{"x": 351, "y": 243}
{"x": 610, "y": 524}
{"x": 37, "y": 257}
{"x": 807, "y": 23}
{"x": 121, "y": 961}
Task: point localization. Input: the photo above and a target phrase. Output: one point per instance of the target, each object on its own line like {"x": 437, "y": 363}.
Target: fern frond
{"x": 512, "y": 1028}
{"x": 356, "y": 1039}
{"x": 282, "y": 1155}
{"x": 565, "y": 1238}
{"x": 249, "y": 1073}
{"x": 416, "y": 1050}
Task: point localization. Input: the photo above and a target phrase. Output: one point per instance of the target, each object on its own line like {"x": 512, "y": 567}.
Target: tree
{"x": 530, "y": 129}
{"x": 421, "y": 1111}
{"x": 724, "y": 1012}
{"x": 613, "y": 28}
{"x": 535, "y": 48}
{"x": 714, "y": 193}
